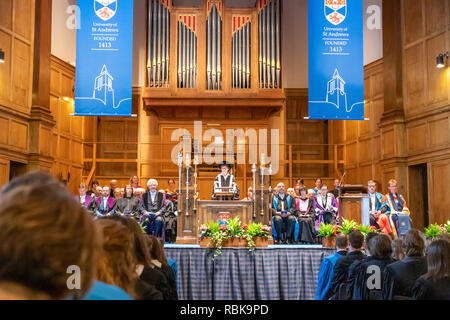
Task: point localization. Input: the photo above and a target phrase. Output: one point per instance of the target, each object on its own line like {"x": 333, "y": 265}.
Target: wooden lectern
{"x": 211, "y": 210}
{"x": 354, "y": 204}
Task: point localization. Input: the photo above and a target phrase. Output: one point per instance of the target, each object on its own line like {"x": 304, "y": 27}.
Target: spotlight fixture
{"x": 2, "y": 56}
{"x": 440, "y": 63}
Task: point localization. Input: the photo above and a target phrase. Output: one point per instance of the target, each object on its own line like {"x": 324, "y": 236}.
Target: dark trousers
{"x": 286, "y": 224}
{"x": 154, "y": 226}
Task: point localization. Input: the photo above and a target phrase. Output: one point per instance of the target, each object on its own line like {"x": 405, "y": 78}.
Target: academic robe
{"x": 287, "y": 223}
{"x": 130, "y": 205}
{"x": 100, "y": 210}
{"x": 427, "y": 289}
{"x": 399, "y": 277}
{"x": 170, "y": 216}
{"x": 226, "y": 182}
{"x": 326, "y": 273}
{"x": 340, "y": 271}
{"x": 396, "y": 204}
{"x": 87, "y": 201}
{"x": 324, "y": 205}
{"x": 382, "y": 221}
{"x": 358, "y": 275}
{"x": 154, "y": 224}
{"x": 306, "y": 219}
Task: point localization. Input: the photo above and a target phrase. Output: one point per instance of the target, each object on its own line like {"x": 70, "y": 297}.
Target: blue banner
{"x": 336, "y": 59}
{"x": 103, "y": 76}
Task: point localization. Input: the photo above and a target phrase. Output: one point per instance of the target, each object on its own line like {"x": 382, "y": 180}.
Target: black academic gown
{"x": 399, "y": 277}
{"x": 341, "y": 269}
{"x": 358, "y": 275}
{"x": 427, "y": 289}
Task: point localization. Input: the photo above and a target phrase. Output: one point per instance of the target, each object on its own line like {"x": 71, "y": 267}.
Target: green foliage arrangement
{"x": 328, "y": 230}
{"x": 348, "y": 226}
{"x": 433, "y": 230}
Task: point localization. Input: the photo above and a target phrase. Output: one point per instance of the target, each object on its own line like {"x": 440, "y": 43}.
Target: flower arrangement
{"x": 232, "y": 229}
{"x": 348, "y": 226}
{"x": 433, "y": 230}
{"x": 328, "y": 230}
{"x": 447, "y": 226}
{"x": 365, "y": 230}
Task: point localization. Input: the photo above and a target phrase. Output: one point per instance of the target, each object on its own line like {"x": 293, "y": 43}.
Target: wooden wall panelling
{"x": 439, "y": 175}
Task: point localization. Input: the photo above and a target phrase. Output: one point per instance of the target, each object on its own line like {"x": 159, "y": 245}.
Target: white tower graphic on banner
{"x": 336, "y": 91}
{"x": 103, "y": 89}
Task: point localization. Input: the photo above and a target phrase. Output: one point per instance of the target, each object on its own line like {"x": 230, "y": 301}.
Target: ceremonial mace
{"x": 262, "y": 184}
{"x": 195, "y": 184}
{"x": 254, "y": 190}
{"x": 180, "y": 165}
{"x": 188, "y": 163}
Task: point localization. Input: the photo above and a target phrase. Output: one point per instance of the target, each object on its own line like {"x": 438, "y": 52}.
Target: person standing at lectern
{"x": 378, "y": 209}
{"x": 225, "y": 180}
{"x": 153, "y": 206}
{"x": 283, "y": 211}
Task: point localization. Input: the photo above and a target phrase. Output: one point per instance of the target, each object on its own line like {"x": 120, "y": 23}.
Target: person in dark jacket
{"x": 355, "y": 266}
{"x": 128, "y": 205}
{"x": 160, "y": 261}
{"x": 399, "y": 277}
{"x": 435, "y": 284}
{"x": 368, "y": 277}
{"x": 342, "y": 266}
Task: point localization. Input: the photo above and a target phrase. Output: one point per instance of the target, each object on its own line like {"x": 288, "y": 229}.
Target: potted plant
{"x": 257, "y": 235}
{"x": 348, "y": 226}
{"x": 433, "y": 230}
{"x": 235, "y": 233}
{"x": 328, "y": 233}
{"x": 365, "y": 230}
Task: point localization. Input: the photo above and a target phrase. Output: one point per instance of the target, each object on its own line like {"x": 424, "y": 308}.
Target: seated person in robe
{"x": 283, "y": 211}
{"x": 305, "y": 216}
{"x": 396, "y": 205}
{"x": 105, "y": 204}
{"x": 153, "y": 206}
{"x": 129, "y": 204}
{"x": 325, "y": 206}
{"x": 225, "y": 180}
{"x": 83, "y": 198}
{"x": 378, "y": 209}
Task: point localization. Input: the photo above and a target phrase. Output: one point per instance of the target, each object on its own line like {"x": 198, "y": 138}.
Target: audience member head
{"x": 141, "y": 250}
{"x": 438, "y": 259}
{"x": 94, "y": 185}
{"x": 336, "y": 183}
{"x": 311, "y": 194}
{"x": 303, "y": 192}
{"x": 280, "y": 188}
{"x": 117, "y": 264}
{"x": 40, "y": 242}
{"x": 128, "y": 191}
{"x": 300, "y": 182}
{"x": 106, "y": 192}
{"x": 117, "y": 193}
{"x": 139, "y": 192}
{"x": 356, "y": 239}
{"x": 324, "y": 190}
{"x": 98, "y": 191}
{"x": 291, "y": 192}
{"x": 134, "y": 181}
{"x": 341, "y": 242}
{"x": 171, "y": 184}
{"x": 152, "y": 185}
{"x": 393, "y": 187}
{"x": 250, "y": 193}
{"x": 113, "y": 184}
{"x": 370, "y": 236}
{"x": 381, "y": 247}
{"x": 82, "y": 189}
{"x": 397, "y": 250}
{"x": 413, "y": 243}
{"x": 318, "y": 183}
{"x": 157, "y": 250}
{"x": 371, "y": 186}
{"x": 297, "y": 190}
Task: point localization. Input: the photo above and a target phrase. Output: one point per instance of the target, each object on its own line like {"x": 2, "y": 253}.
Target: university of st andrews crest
{"x": 105, "y": 9}
{"x": 335, "y": 11}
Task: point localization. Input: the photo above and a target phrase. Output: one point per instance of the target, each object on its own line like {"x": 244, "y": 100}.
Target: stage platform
{"x": 279, "y": 272}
